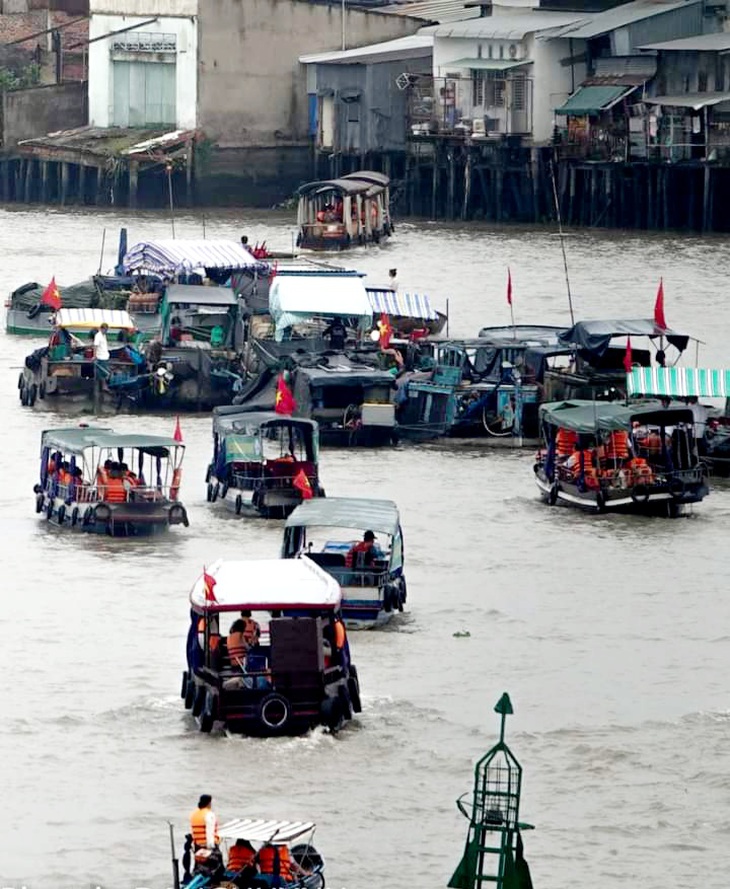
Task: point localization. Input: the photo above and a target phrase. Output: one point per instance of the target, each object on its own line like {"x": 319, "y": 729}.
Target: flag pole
{"x": 562, "y": 241}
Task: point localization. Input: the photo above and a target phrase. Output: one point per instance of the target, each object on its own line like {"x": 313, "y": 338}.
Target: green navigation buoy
{"x": 493, "y": 852}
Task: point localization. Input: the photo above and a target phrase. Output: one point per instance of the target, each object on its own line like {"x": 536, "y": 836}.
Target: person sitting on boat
{"x": 242, "y": 863}
{"x": 176, "y": 330}
{"x": 64, "y": 475}
{"x": 251, "y": 629}
{"x": 337, "y": 333}
{"x": 364, "y": 553}
{"x": 236, "y": 643}
{"x": 276, "y": 862}
{"x": 204, "y": 824}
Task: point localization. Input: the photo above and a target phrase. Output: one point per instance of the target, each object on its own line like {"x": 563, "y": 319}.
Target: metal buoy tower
{"x": 493, "y": 855}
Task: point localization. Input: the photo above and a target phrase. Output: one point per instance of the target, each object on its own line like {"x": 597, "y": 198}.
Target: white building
{"x": 494, "y": 77}
{"x": 145, "y": 74}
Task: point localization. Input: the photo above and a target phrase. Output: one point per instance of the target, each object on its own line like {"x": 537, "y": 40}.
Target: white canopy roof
{"x": 294, "y": 298}
{"x": 266, "y": 584}
{"x": 167, "y": 257}
{"x": 86, "y": 319}
{"x": 258, "y": 830}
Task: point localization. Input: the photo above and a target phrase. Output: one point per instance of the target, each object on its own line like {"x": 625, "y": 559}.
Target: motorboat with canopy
{"x": 603, "y": 456}
{"x": 223, "y": 866}
{"x": 409, "y": 314}
{"x": 330, "y": 532}
{"x": 335, "y": 214}
{"x": 96, "y": 480}
{"x": 263, "y": 463}
{"x": 293, "y": 673}
{"x": 599, "y": 354}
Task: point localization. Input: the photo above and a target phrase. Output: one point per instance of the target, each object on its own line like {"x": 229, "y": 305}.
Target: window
{"x": 353, "y": 111}
{"x": 494, "y": 97}
{"x": 477, "y": 85}
{"x": 519, "y": 93}
{"x": 490, "y": 50}
{"x": 501, "y": 51}
{"x": 702, "y": 81}
{"x": 144, "y": 93}
{"x": 719, "y": 74}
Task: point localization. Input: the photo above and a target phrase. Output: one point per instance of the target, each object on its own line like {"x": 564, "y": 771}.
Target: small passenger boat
{"x": 336, "y": 214}
{"x": 96, "y": 480}
{"x": 293, "y": 672}
{"x": 263, "y": 463}
{"x": 333, "y": 533}
{"x": 609, "y": 456}
{"x": 223, "y": 866}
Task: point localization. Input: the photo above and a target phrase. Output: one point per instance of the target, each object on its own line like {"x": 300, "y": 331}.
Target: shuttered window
{"x": 144, "y": 94}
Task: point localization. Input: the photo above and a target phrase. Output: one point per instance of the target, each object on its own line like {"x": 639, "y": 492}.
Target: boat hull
{"x": 112, "y": 519}
{"x": 272, "y": 503}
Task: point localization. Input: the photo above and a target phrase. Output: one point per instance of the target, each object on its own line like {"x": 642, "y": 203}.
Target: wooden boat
{"x": 408, "y": 313}
{"x": 95, "y": 480}
{"x": 263, "y": 463}
{"x": 326, "y": 530}
{"x": 213, "y": 867}
{"x": 609, "y": 456}
{"x": 299, "y": 675}
{"x": 336, "y": 214}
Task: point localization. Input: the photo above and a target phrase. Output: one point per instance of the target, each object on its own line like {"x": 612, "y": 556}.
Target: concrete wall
{"x": 252, "y": 89}
{"x": 553, "y": 82}
{"x": 25, "y": 114}
{"x": 183, "y": 25}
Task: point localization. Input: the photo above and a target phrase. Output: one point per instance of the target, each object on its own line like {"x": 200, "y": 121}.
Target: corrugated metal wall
{"x": 683, "y": 22}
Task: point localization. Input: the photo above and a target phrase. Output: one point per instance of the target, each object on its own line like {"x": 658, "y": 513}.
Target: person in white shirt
{"x": 204, "y": 824}
{"x": 101, "y": 345}
{"x": 393, "y": 280}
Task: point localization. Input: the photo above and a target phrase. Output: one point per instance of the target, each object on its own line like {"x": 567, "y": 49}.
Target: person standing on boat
{"x": 101, "y": 346}
{"x": 337, "y": 333}
{"x": 204, "y": 824}
{"x": 393, "y": 280}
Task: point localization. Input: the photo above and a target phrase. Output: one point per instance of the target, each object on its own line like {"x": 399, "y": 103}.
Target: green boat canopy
{"x": 589, "y": 417}
{"x": 679, "y": 382}
{"x": 346, "y": 512}
{"x": 76, "y": 439}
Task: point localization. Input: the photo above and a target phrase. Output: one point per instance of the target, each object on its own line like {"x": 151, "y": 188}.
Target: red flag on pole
{"x": 509, "y": 286}
{"x": 51, "y": 297}
{"x": 177, "y": 434}
{"x": 385, "y": 330}
{"x": 627, "y": 357}
{"x": 659, "y": 318}
{"x": 284, "y": 401}
{"x": 301, "y": 483}
{"x": 209, "y": 583}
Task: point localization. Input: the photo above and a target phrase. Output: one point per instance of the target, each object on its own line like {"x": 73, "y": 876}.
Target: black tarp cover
{"x": 596, "y": 336}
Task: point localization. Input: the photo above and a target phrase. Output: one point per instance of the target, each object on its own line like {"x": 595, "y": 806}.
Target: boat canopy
{"x": 198, "y": 295}
{"x": 523, "y": 334}
{"x": 346, "y": 375}
{"x": 268, "y": 584}
{"x": 679, "y": 382}
{"x": 406, "y": 305}
{"x": 88, "y": 319}
{"x": 169, "y": 258}
{"x": 369, "y": 176}
{"x": 234, "y": 418}
{"x": 349, "y": 185}
{"x": 346, "y": 512}
{"x": 588, "y": 417}
{"x": 297, "y": 298}
{"x": 76, "y": 439}
{"x": 257, "y": 830}
{"x": 596, "y": 336}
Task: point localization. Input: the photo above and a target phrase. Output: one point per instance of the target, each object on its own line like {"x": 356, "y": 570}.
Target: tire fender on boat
{"x": 640, "y": 494}
{"x": 199, "y": 700}
{"x": 208, "y": 473}
{"x": 184, "y": 687}
{"x": 677, "y": 489}
{"x": 353, "y": 686}
{"x": 600, "y": 501}
{"x": 49, "y": 510}
{"x": 343, "y": 693}
{"x": 210, "y": 709}
{"x": 274, "y": 712}
{"x": 330, "y": 713}
{"x": 552, "y": 496}
{"x": 86, "y": 520}
{"x": 61, "y": 514}
{"x": 239, "y": 504}
{"x": 224, "y": 490}
{"x": 39, "y": 501}
{"x": 74, "y": 516}
{"x": 178, "y": 514}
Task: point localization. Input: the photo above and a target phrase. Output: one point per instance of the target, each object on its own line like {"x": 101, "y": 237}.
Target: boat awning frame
{"x": 487, "y": 64}
{"x": 403, "y": 305}
{"x": 694, "y": 101}
{"x": 346, "y": 512}
{"x": 679, "y": 382}
{"x": 259, "y": 830}
{"x": 89, "y": 319}
{"x": 593, "y": 99}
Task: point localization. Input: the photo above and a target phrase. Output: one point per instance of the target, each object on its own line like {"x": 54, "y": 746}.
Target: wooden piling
{"x": 706, "y": 198}
{"x": 451, "y": 170}
{"x": 64, "y": 183}
{"x": 467, "y": 185}
{"x": 133, "y": 180}
{"x": 44, "y": 181}
{"x": 434, "y": 181}
{"x": 28, "y": 180}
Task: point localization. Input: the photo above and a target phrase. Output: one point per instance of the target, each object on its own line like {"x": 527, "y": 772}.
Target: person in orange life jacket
{"x": 251, "y": 630}
{"x": 276, "y": 861}
{"x": 236, "y": 642}
{"x": 204, "y": 824}
{"x": 363, "y": 553}
{"x": 242, "y": 862}
{"x": 213, "y": 633}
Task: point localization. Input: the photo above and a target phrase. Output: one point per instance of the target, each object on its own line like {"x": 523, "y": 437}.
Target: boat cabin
{"x": 194, "y": 316}
{"x": 336, "y": 533}
{"x": 252, "y": 850}
{"x": 263, "y": 463}
{"x": 93, "y": 479}
{"x": 267, "y": 652}
{"x": 335, "y": 214}
{"x": 602, "y": 456}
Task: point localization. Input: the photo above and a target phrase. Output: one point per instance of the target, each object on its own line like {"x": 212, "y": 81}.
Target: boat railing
{"x": 86, "y": 493}
{"x": 359, "y": 577}
{"x": 268, "y": 478}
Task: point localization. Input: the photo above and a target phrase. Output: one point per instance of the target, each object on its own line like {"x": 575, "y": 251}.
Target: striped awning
{"x": 177, "y": 257}
{"x": 679, "y": 382}
{"x": 405, "y": 305}
{"x": 88, "y": 319}
{"x": 258, "y": 830}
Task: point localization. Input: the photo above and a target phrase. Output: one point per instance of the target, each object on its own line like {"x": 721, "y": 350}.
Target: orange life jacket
{"x": 339, "y": 634}
{"x": 237, "y": 647}
{"x": 115, "y": 491}
{"x": 251, "y": 631}
{"x": 267, "y": 859}
{"x": 617, "y": 446}
{"x": 213, "y": 638}
{"x": 566, "y": 442}
{"x": 362, "y": 547}
{"x": 197, "y": 827}
{"x": 240, "y": 857}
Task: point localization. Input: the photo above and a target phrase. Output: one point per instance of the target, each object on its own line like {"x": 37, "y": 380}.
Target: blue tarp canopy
{"x": 679, "y": 382}
{"x": 405, "y": 305}
{"x": 178, "y": 257}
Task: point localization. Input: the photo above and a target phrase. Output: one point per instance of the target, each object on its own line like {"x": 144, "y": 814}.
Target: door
{"x": 326, "y": 121}
{"x": 144, "y": 94}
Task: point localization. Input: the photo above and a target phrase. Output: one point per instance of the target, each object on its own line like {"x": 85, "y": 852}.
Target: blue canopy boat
{"x": 96, "y": 480}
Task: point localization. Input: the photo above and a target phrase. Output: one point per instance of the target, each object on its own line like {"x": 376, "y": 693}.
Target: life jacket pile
{"x": 617, "y": 445}
{"x": 566, "y": 441}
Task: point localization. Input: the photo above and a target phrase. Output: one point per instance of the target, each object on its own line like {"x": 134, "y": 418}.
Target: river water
{"x": 611, "y": 634}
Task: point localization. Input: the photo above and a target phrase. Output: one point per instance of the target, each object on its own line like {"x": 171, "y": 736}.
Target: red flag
{"x": 386, "y": 331}
{"x": 509, "y": 286}
{"x": 177, "y": 434}
{"x": 659, "y": 318}
{"x": 274, "y": 271}
{"x": 627, "y": 356}
{"x": 284, "y": 402}
{"x": 51, "y": 297}
{"x": 209, "y": 583}
{"x": 301, "y": 483}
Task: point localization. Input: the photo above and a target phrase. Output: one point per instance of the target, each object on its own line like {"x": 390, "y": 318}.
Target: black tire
{"x": 345, "y": 703}
{"x": 224, "y": 490}
{"x": 274, "y": 712}
{"x": 74, "y": 516}
{"x": 214, "y": 492}
{"x": 42, "y": 391}
{"x": 640, "y": 494}
{"x": 39, "y": 501}
{"x": 677, "y": 489}
{"x": 387, "y": 599}
{"x": 185, "y": 683}
{"x": 600, "y": 501}
{"x": 552, "y": 497}
{"x": 32, "y": 394}
{"x": 199, "y": 700}
{"x": 49, "y": 510}
{"x": 207, "y": 717}
{"x": 189, "y": 694}
{"x": 21, "y": 380}
{"x": 61, "y": 514}
{"x": 353, "y": 686}
{"x": 88, "y": 513}
{"x": 330, "y": 713}
{"x": 403, "y": 590}
{"x": 24, "y": 396}
{"x": 209, "y": 493}
{"x": 208, "y": 473}
{"x": 239, "y": 504}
